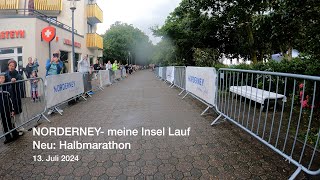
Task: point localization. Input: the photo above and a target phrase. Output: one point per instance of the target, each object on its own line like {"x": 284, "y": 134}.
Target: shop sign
{"x": 12, "y": 34}
{"x": 69, "y": 43}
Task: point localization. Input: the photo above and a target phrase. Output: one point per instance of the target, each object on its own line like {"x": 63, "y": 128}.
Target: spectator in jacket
{"x": 29, "y": 67}
{"x": 54, "y": 67}
{"x": 17, "y": 90}
{"x": 108, "y": 66}
{"x": 7, "y": 111}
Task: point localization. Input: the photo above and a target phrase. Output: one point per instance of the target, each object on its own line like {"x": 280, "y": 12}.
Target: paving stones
{"x": 220, "y": 152}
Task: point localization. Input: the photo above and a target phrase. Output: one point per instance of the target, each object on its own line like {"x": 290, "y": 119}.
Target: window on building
{"x": 64, "y": 56}
{"x": 90, "y": 28}
{"x": 7, "y": 51}
{"x": 91, "y": 1}
{"x": 19, "y": 50}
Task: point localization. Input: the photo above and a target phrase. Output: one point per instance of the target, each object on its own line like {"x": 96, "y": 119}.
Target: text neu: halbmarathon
{"x": 98, "y": 131}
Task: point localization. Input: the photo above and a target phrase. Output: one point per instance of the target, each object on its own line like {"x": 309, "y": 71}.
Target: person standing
{"x": 108, "y": 66}
{"x": 54, "y": 67}
{"x": 84, "y": 68}
{"x": 7, "y": 111}
{"x": 35, "y": 65}
{"x": 114, "y": 69}
{"x": 16, "y": 91}
{"x": 97, "y": 66}
{"x": 34, "y": 86}
{"x": 115, "y": 65}
{"x": 29, "y": 67}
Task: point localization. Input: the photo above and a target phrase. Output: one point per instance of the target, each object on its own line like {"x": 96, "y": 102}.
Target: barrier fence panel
{"x": 164, "y": 73}
{"x": 104, "y": 76}
{"x": 95, "y": 81}
{"x": 20, "y": 108}
{"x": 117, "y": 74}
{"x": 180, "y": 78}
{"x": 170, "y": 74}
{"x": 63, "y": 87}
{"x": 156, "y": 71}
{"x": 87, "y": 78}
{"x": 123, "y": 73}
{"x": 201, "y": 84}
{"x": 160, "y": 72}
{"x": 280, "y": 110}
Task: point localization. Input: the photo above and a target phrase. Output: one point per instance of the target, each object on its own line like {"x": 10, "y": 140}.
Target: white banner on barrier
{"x": 160, "y": 72}
{"x": 104, "y": 76}
{"x": 118, "y": 74}
{"x": 170, "y": 74}
{"x": 201, "y": 81}
{"x": 63, "y": 87}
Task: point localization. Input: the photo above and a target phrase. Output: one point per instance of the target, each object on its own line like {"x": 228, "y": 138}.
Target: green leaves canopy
{"x": 251, "y": 29}
{"x": 121, "y": 39}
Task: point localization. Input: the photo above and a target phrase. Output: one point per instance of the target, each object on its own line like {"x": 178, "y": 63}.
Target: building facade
{"x": 22, "y": 22}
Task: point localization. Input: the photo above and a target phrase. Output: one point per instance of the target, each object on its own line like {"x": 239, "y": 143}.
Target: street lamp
{"x": 130, "y": 58}
{"x": 73, "y": 7}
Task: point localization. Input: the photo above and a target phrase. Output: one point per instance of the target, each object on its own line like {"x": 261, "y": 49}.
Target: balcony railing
{"x": 94, "y": 41}
{"x": 9, "y": 4}
{"x": 94, "y": 14}
{"x": 48, "y": 5}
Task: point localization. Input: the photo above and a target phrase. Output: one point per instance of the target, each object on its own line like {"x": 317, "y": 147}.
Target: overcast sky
{"x": 142, "y": 14}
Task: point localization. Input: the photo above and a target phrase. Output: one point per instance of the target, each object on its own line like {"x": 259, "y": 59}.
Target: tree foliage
{"x": 123, "y": 41}
{"x": 251, "y": 29}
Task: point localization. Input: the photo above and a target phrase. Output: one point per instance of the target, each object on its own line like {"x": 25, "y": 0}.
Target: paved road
{"x": 219, "y": 152}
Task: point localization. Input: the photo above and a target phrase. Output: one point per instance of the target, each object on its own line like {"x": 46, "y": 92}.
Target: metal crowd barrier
{"x": 123, "y": 73}
{"x": 281, "y": 110}
{"x": 26, "y": 101}
{"x": 156, "y": 71}
{"x": 95, "y": 81}
{"x": 87, "y": 78}
{"x": 105, "y": 77}
{"x": 117, "y": 74}
{"x": 180, "y": 78}
{"x": 164, "y": 73}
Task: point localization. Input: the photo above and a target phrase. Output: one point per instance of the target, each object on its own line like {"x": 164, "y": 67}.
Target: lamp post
{"x": 73, "y": 8}
{"x": 129, "y": 57}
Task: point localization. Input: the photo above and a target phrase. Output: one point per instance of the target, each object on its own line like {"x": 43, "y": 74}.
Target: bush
{"x": 301, "y": 65}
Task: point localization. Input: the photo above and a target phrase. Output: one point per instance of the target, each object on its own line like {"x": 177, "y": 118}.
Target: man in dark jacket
{"x": 29, "y": 67}
{"x": 6, "y": 111}
{"x": 17, "y": 90}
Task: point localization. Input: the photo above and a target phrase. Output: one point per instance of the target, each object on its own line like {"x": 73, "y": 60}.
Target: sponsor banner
{"x": 180, "y": 76}
{"x": 201, "y": 81}
{"x": 170, "y": 74}
{"x": 118, "y": 74}
{"x": 63, "y": 87}
{"x": 160, "y": 71}
{"x": 104, "y": 76}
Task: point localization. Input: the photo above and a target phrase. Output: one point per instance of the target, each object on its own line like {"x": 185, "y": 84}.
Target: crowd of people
{"x": 13, "y": 89}
{"x": 130, "y": 68}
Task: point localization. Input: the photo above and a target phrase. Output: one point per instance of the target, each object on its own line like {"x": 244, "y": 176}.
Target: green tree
{"x": 122, "y": 40}
{"x": 250, "y": 29}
